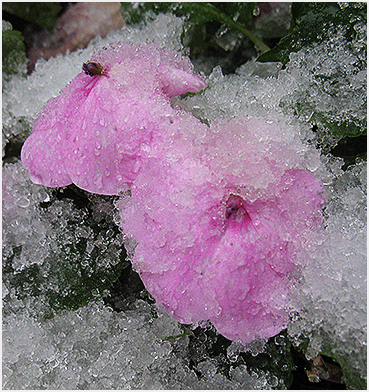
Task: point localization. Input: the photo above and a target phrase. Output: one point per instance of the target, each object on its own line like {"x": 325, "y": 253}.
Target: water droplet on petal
{"x": 98, "y": 182}
{"x": 97, "y": 149}
{"x": 136, "y": 166}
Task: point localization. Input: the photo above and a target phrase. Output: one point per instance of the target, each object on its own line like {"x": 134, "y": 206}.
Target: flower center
{"x": 236, "y": 210}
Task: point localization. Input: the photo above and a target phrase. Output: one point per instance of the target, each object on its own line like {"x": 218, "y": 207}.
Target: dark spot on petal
{"x": 92, "y": 69}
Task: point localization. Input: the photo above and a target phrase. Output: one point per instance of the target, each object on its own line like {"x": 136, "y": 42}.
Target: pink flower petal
{"x": 178, "y": 82}
{"x": 98, "y": 132}
{"x": 211, "y": 247}
{"x": 46, "y": 149}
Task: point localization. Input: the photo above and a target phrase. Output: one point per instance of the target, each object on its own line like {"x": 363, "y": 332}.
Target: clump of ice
{"x": 332, "y": 297}
{"x": 324, "y": 84}
{"x": 54, "y": 251}
{"x": 330, "y": 82}
{"x": 97, "y": 348}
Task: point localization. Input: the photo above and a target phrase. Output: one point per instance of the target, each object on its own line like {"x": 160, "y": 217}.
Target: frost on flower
{"x": 221, "y": 214}
{"x": 221, "y": 230}
{"x": 97, "y": 133}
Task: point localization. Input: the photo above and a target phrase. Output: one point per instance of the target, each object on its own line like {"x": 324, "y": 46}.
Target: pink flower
{"x": 219, "y": 217}
{"x": 217, "y": 238}
{"x": 97, "y": 133}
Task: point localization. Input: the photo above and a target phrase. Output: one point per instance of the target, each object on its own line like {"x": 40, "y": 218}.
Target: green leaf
{"x": 353, "y": 125}
{"x": 313, "y": 22}
{"x": 349, "y": 128}
{"x": 14, "y": 52}
{"x": 177, "y": 336}
{"x": 43, "y": 14}
{"x": 235, "y": 16}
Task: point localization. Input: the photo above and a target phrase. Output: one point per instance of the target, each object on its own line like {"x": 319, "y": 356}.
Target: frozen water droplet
{"x": 95, "y": 118}
{"x": 256, "y": 11}
{"x": 98, "y": 182}
{"x": 313, "y": 161}
{"x": 136, "y": 166}
{"x": 22, "y": 202}
{"x": 97, "y": 149}
{"x": 273, "y": 382}
{"x": 5, "y": 292}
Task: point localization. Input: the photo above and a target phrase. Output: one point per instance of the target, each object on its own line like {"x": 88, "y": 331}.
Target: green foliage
{"x": 352, "y": 126}
{"x": 205, "y": 19}
{"x": 177, "y": 336}
{"x": 195, "y": 12}
{"x": 43, "y": 14}
{"x": 82, "y": 262}
{"x": 134, "y": 13}
{"x": 353, "y": 378}
{"x": 313, "y": 22}
{"x": 347, "y": 128}
{"x": 14, "y": 52}
{"x": 276, "y": 360}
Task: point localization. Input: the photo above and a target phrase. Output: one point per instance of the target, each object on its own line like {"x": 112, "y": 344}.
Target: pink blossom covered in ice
{"x": 218, "y": 218}
{"x": 219, "y": 230}
{"x": 97, "y": 132}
